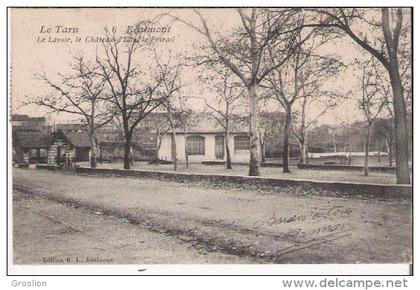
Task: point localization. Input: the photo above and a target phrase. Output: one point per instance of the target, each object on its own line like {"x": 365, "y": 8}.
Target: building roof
{"x": 205, "y": 123}
{"x": 32, "y": 139}
{"x": 70, "y": 127}
{"x": 27, "y": 127}
{"x": 21, "y": 117}
{"x": 78, "y": 139}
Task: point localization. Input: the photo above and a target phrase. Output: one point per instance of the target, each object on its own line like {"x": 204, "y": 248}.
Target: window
{"x": 241, "y": 143}
{"x": 33, "y": 153}
{"x": 195, "y": 145}
{"x": 43, "y": 152}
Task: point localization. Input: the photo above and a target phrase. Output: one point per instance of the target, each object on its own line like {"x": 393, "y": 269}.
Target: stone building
{"x": 69, "y": 147}
{"x": 30, "y": 146}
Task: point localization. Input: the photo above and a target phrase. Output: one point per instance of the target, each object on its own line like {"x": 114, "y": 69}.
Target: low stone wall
{"x": 222, "y": 162}
{"x": 213, "y": 162}
{"x": 48, "y": 166}
{"x": 23, "y": 165}
{"x": 306, "y": 186}
{"x": 271, "y": 164}
{"x": 346, "y": 167}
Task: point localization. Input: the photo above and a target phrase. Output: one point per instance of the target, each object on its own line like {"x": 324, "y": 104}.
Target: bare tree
{"x": 286, "y": 84}
{"x": 224, "y": 111}
{"x": 383, "y": 129}
{"x": 185, "y": 118}
{"x": 270, "y": 123}
{"x": 244, "y": 53}
{"x": 170, "y": 115}
{"x": 157, "y": 123}
{"x": 170, "y": 74}
{"x": 371, "y": 102}
{"x": 379, "y": 32}
{"x": 81, "y": 93}
{"x": 315, "y": 100}
{"x": 133, "y": 93}
{"x": 177, "y": 118}
{"x": 307, "y": 122}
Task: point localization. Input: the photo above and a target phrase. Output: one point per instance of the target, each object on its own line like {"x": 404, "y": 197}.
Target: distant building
{"x": 30, "y": 139}
{"x": 71, "y": 127}
{"x": 204, "y": 140}
{"x": 30, "y": 146}
{"x": 74, "y": 146}
{"x": 143, "y": 142}
{"x": 24, "y": 122}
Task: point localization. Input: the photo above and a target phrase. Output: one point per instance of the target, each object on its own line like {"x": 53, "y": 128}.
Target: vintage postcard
{"x": 175, "y": 140}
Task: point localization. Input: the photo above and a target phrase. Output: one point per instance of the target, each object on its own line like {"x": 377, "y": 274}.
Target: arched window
{"x": 195, "y": 145}
{"x": 241, "y": 143}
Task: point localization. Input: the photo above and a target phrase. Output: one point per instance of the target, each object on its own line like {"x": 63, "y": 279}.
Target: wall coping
{"x": 346, "y": 167}
{"x": 338, "y": 187}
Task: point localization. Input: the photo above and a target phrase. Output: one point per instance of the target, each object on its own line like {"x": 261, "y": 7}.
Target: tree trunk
{"x": 303, "y": 144}
{"x": 379, "y": 155}
{"x": 334, "y": 144}
{"x": 173, "y": 150}
{"x": 92, "y": 136}
{"x": 262, "y": 147}
{"x": 187, "y": 163}
{"x": 254, "y": 161}
{"x": 400, "y": 110}
{"x": 131, "y": 156}
{"x": 173, "y": 137}
{"x": 286, "y": 130}
{"x": 401, "y": 135}
{"x": 93, "y": 150}
{"x": 303, "y": 153}
{"x": 367, "y": 145}
{"x": 301, "y": 157}
{"x": 127, "y": 147}
{"x": 228, "y": 158}
{"x": 304, "y": 135}
{"x": 389, "y": 150}
{"x": 186, "y": 152}
{"x": 158, "y": 145}
{"x": 350, "y": 152}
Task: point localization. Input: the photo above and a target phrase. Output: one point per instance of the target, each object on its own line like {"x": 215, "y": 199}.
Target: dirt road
{"x": 189, "y": 223}
{"x": 51, "y": 233}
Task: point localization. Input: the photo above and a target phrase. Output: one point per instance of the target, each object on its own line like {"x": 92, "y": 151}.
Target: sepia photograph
{"x": 258, "y": 136}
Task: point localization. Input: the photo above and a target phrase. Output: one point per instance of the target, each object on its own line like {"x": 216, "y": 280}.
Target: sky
{"x": 33, "y": 35}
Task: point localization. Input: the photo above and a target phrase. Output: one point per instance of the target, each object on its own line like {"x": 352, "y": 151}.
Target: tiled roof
{"x": 19, "y": 117}
{"x": 204, "y": 123}
{"x": 31, "y": 127}
{"x": 70, "y": 127}
{"x": 78, "y": 139}
{"x": 32, "y": 139}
